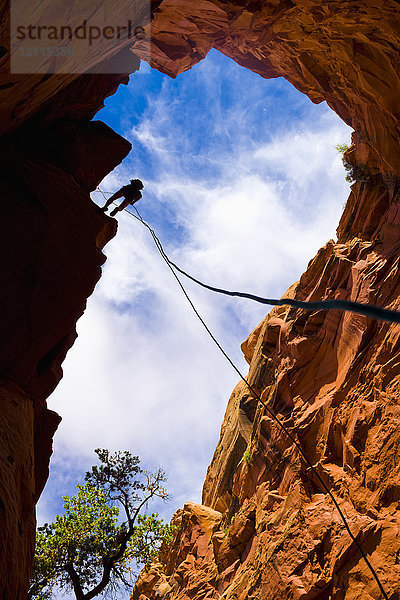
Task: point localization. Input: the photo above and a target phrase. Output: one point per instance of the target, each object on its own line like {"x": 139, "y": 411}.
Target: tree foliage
{"x": 341, "y": 148}
{"x": 90, "y": 549}
{"x": 353, "y": 172}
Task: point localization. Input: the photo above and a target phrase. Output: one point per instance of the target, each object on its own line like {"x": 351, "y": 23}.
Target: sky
{"x": 242, "y": 184}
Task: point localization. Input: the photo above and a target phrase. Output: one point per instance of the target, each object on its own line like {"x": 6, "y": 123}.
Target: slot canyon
{"x": 266, "y": 529}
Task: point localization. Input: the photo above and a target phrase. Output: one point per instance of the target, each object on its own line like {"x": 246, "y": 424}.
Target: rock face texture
{"x": 51, "y": 241}
{"x": 268, "y": 529}
{"x": 17, "y": 489}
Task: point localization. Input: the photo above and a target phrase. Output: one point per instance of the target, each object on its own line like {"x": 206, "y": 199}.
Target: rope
{"x": 257, "y": 396}
{"x": 368, "y": 310}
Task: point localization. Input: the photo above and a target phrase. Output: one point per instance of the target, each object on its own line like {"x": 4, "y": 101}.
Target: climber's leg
{"x": 111, "y": 200}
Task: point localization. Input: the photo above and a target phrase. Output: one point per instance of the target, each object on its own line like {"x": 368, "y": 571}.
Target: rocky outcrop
{"x": 51, "y": 241}
{"x": 331, "y": 378}
{"x": 192, "y": 551}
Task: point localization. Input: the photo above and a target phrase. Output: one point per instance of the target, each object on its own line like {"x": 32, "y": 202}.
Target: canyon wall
{"x": 266, "y": 529}
{"x": 51, "y": 241}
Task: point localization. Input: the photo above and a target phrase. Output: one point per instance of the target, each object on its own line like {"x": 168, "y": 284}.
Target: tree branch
{"x": 105, "y": 580}
{"x": 76, "y": 584}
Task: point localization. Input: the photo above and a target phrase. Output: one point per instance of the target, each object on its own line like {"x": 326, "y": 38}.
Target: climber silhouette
{"x": 131, "y": 194}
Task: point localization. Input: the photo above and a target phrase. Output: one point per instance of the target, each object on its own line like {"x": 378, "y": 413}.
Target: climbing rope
{"x": 369, "y": 310}
{"x": 297, "y": 444}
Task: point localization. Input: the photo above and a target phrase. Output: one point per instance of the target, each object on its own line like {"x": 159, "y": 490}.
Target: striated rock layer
{"x": 267, "y": 529}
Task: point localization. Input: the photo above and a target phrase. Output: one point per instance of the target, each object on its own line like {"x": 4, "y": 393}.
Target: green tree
{"x": 89, "y": 549}
{"x": 341, "y": 148}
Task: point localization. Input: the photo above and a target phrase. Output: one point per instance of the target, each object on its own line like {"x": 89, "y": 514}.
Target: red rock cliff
{"x": 267, "y": 529}
{"x": 51, "y": 241}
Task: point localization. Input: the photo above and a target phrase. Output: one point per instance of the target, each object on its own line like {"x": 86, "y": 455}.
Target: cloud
{"x": 242, "y": 191}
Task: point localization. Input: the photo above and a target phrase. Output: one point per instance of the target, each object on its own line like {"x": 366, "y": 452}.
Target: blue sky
{"x": 243, "y": 185}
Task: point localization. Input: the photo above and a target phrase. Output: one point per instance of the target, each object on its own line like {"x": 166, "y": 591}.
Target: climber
{"x": 131, "y": 194}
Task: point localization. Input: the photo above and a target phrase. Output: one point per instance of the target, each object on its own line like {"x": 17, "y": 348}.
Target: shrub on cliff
{"x": 88, "y": 549}
{"x": 350, "y": 176}
{"x": 353, "y": 172}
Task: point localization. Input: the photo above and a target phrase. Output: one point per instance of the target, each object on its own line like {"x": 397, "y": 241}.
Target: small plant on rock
{"x": 248, "y": 455}
{"x": 350, "y": 173}
{"x": 341, "y": 148}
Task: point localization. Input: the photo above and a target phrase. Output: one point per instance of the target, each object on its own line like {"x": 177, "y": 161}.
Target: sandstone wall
{"x": 51, "y": 237}
{"x": 17, "y": 489}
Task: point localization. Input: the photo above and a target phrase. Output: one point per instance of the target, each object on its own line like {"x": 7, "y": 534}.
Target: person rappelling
{"x": 131, "y": 194}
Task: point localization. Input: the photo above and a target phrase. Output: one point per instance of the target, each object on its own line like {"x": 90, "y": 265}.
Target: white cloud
{"x": 239, "y": 213}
